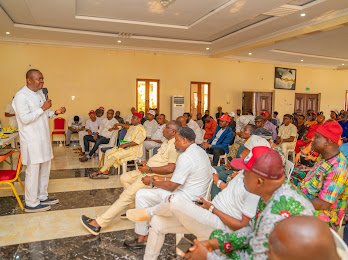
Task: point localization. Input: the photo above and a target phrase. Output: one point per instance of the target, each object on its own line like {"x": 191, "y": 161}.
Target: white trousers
{"x": 36, "y": 183}
{"x": 148, "y": 145}
{"x": 187, "y": 218}
{"x": 150, "y": 198}
{"x": 81, "y": 135}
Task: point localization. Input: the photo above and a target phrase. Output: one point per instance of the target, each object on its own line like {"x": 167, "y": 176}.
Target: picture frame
{"x": 284, "y": 78}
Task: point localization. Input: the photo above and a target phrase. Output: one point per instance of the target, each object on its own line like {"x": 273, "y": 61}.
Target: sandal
{"x": 96, "y": 175}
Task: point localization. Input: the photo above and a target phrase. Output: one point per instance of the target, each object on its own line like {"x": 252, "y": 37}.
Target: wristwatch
{"x": 218, "y": 183}
{"x": 211, "y": 208}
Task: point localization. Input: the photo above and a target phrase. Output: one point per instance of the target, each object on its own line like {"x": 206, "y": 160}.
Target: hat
{"x": 265, "y": 114}
{"x": 262, "y": 132}
{"x": 152, "y": 112}
{"x": 263, "y": 161}
{"x": 138, "y": 115}
{"x": 331, "y": 130}
{"x": 225, "y": 117}
{"x": 232, "y": 114}
{"x": 101, "y": 108}
{"x": 91, "y": 112}
{"x": 255, "y": 141}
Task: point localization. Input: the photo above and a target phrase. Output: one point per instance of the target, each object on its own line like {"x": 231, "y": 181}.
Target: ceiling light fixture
{"x": 342, "y": 64}
{"x": 166, "y": 3}
{"x": 250, "y": 53}
{"x": 207, "y": 48}
{"x": 301, "y": 60}
{"x": 119, "y": 41}
{"x": 8, "y": 33}
{"x": 303, "y": 15}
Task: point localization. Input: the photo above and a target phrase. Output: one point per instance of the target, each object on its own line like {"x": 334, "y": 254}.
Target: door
{"x": 256, "y": 102}
{"x": 199, "y": 98}
{"x": 147, "y": 96}
{"x": 304, "y": 102}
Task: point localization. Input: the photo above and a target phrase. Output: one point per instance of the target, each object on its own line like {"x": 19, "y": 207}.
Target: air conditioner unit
{"x": 177, "y": 106}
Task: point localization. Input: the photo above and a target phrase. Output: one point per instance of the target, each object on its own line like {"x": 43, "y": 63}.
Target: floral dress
{"x": 251, "y": 242}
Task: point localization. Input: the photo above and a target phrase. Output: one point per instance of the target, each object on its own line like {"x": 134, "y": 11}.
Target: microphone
{"x": 45, "y": 92}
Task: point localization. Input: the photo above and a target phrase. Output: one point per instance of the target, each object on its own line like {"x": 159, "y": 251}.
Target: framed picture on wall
{"x": 284, "y": 78}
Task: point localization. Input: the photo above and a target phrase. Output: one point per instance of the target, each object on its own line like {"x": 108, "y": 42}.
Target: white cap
{"x": 232, "y": 114}
{"x": 255, "y": 141}
{"x": 152, "y": 112}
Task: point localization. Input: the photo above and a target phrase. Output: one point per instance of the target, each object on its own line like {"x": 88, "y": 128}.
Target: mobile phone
{"x": 184, "y": 245}
{"x": 198, "y": 202}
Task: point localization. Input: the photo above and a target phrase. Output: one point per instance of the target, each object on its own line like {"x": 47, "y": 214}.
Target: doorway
{"x": 304, "y": 102}
{"x": 256, "y": 102}
{"x": 199, "y": 98}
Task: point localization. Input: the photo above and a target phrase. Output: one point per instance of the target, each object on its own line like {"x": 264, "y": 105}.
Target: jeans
{"x": 216, "y": 152}
{"x": 100, "y": 140}
{"x": 223, "y": 174}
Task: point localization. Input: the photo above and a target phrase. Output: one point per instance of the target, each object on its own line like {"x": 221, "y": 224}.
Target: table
{"x": 12, "y": 139}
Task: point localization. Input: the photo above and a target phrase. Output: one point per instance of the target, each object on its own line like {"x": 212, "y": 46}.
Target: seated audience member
{"x": 286, "y": 138}
{"x": 311, "y": 119}
{"x": 204, "y": 117}
{"x": 302, "y": 238}
{"x": 344, "y": 124}
{"x": 100, "y": 112}
{"x": 150, "y": 124}
{"x": 163, "y": 163}
{"x": 118, "y": 117}
{"x": 275, "y": 120}
{"x": 326, "y": 184}
{"x": 199, "y": 120}
{"x": 232, "y": 124}
{"x": 157, "y": 137}
{"x": 301, "y": 128}
{"x": 210, "y": 127}
{"x": 241, "y": 122}
{"x": 219, "y": 113}
{"x": 334, "y": 115}
{"x": 129, "y": 150}
{"x": 128, "y": 118}
{"x": 101, "y": 137}
{"x": 219, "y": 143}
{"x": 190, "y": 179}
{"x": 263, "y": 176}
{"x": 268, "y": 124}
{"x": 91, "y": 127}
{"x": 195, "y": 127}
{"x": 260, "y": 122}
{"x": 75, "y": 125}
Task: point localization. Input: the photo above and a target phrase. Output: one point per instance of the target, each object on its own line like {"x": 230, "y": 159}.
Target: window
{"x": 200, "y": 97}
{"x": 147, "y": 94}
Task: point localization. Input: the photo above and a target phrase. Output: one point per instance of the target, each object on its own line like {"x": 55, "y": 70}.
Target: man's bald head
{"x": 302, "y": 238}
{"x": 182, "y": 121}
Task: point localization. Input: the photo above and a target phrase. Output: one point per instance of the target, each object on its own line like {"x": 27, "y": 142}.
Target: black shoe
{"x": 38, "y": 208}
{"x": 123, "y": 216}
{"x": 84, "y": 158}
{"x": 49, "y": 201}
{"x": 92, "y": 229}
{"x": 134, "y": 244}
{"x": 67, "y": 145}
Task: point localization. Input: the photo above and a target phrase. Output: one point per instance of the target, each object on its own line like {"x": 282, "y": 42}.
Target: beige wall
{"x": 107, "y": 77}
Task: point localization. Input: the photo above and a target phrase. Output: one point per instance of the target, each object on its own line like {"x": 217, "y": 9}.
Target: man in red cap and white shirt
{"x": 326, "y": 184}
{"x": 219, "y": 143}
{"x": 91, "y": 127}
{"x": 263, "y": 176}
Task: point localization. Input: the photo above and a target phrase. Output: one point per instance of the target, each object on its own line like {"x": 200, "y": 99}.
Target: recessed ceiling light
{"x": 8, "y": 33}
{"x": 207, "y": 48}
{"x": 250, "y": 53}
{"x": 301, "y": 60}
{"x": 342, "y": 64}
{"x": 303, "y": 15}
{"x": 119, "y": 41}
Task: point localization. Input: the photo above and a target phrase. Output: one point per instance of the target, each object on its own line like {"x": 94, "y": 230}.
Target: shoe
{"x": 49, "y": 201}
{"x": 138, "y": 215}
{"x": 92, "y": 229}
{"x": 67, "y": 145}
{"x": 123, "y": 216}
{"x": 38, "y": 208}
{"x": 134, "y": 244}
{"x": 84, "y": 158}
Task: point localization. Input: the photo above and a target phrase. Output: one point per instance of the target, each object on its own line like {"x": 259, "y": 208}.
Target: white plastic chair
{"x": 137, "y": 158}
{"x": 221, "y": 156}
{"x": 289, "y": 167}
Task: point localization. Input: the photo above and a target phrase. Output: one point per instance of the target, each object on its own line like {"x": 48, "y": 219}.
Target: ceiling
{"x": 256, "y": 30}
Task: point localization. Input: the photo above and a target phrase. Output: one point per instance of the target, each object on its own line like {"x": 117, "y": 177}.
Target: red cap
{"x": 225, "y": 117}
{"x": 331, "y": 130}
{"x": 137, "y": 114}
{"x": 91, "y": 112}
{"x": 101, "y": 108}
{"x": 265, "y": 114}
{"x": 263, "y": 161}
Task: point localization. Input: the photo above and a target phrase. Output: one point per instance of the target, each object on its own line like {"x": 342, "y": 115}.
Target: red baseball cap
{"x": 91, "y": 112}
{"x": 265, "y": 114}
{"x": 331, "y": 130}
{"x": 137, "y": 114}
{"x": 225, "y": 117}
{"x": 263, "y": 161}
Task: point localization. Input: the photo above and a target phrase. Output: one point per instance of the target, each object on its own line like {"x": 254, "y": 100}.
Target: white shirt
{"x": 158, "y": 135}
{"x": 34, "y": 131}
{"x": 72, "y": 123}
{"x": 11, "y": 120}
{"x": 235, "y": 200}
{"x": 150, "y": 127}
{"x": 105, "y": 125}
{"x": 93, "y": 126}
{"x": 193, "y": 171}
{"x": 128, "y": 119}
{"x": 218, "y": 134}
{"x": 198, "y": 131}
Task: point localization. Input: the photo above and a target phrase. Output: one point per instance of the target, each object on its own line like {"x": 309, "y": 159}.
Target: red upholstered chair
{"x": 58, "y": 129}
{"x": 8, "y": 177}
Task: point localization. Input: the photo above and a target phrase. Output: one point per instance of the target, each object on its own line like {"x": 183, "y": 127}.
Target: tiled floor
{"x": 58, "y": 234}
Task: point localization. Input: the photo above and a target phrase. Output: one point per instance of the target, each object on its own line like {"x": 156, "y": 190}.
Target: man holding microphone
{"x": 32, "y": 109}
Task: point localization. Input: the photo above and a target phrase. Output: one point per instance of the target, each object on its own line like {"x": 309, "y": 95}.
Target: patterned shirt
{"x": 251, "y": 242}
{"x": 328, "y": 181}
